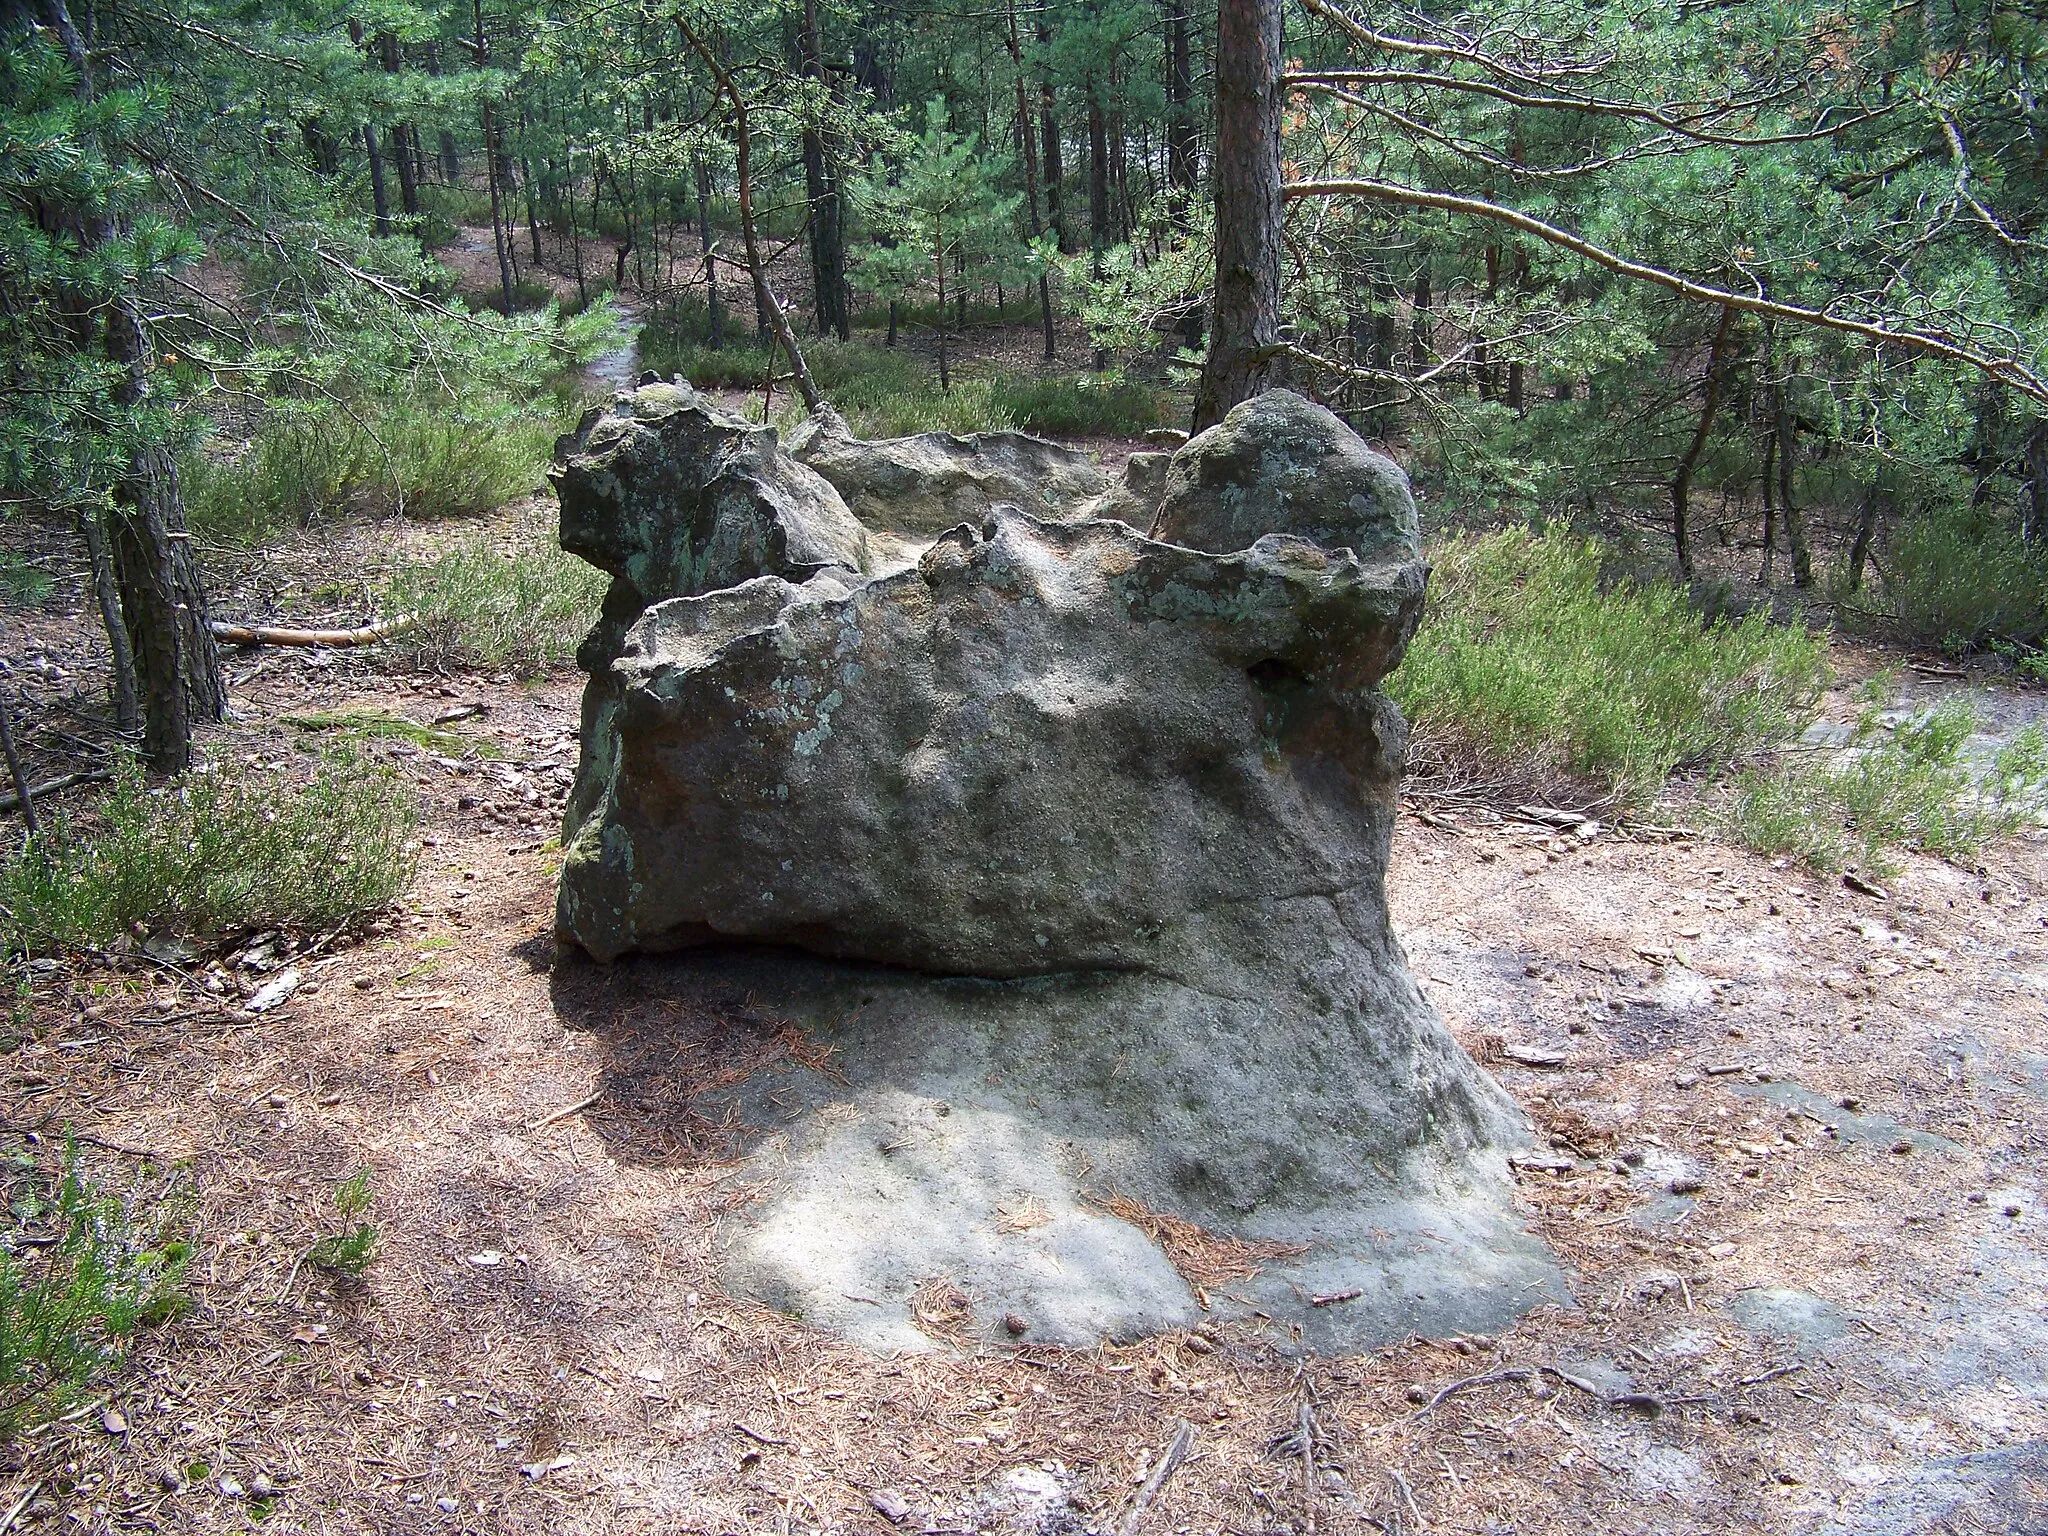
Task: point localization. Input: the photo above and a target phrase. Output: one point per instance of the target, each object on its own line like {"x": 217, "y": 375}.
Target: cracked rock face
{"x": 1071, "y": 845}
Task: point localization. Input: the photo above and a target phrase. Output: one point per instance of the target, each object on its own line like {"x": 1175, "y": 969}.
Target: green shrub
{"x": 1531, "y": 671}
{"x": 1960, "y": 581}
{"x": 515, "y": 602}
{"x": 1079, "y": 405}
{"x": 315, "y": 462}
{"x": 78, "y": 1276}
{"x": 213, "y": 851}
{"x": 1909, "y": 790}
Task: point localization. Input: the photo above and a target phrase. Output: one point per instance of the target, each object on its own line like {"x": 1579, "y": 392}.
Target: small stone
{"x": 365, "y": 983}
{"x": 1850, "y": 1104}
{"x": 1417, "y": 1394}
{"x": 2012, "y": 1210}
{"x": 1686, "y": 1080}
{"x": 113, "y": 1423}
{"x": 1902, "y": 1147}
{"x": 890, "y": 1504}
{"x": 230, "y": 1489}
{"x": 1978, "y": 1197}
{"x": 446, "y": 1505}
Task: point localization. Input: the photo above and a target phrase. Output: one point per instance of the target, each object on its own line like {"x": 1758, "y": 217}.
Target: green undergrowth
{"x": 1532, "y": 671}
{"x": 212, "y": 852}
{"x": 503, "y": 600}
{"x": 376, "y": 725}
{"x": 892, "y": 392}
{"x": 1961, "y": 583}
{"x": 1907, "y": 788}
{"x": 318, "y": 462}
{"x": 81, "y": 1271}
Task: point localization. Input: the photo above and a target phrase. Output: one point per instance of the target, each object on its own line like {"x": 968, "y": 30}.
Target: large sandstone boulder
{"x": 936, "y": 480}
{"x": 1281, "y": 464}
{"x": 1069, "y": 845}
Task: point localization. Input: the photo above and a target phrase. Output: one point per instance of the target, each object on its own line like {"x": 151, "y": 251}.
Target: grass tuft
{"x": 317, "y": 463}
{"x": 213, "y": 852}
{"x": 513, "y": 602}
{"x": 1909, "y": 788}
{"x": 1529, "y": 670}
{"x": 375, "y": 725}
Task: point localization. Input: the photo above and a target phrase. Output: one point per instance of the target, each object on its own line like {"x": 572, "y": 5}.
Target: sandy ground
{"x": 1796, "y": 1150}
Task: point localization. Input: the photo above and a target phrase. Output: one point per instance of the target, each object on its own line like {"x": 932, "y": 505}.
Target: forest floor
{"x": 1797, "y": 1138}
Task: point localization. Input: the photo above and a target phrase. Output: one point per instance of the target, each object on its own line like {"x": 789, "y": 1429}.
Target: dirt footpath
{"x": 1795, "y": 1142}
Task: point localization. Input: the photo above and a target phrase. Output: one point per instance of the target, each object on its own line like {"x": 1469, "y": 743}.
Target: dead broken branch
{"x": 262, "y": 634}
{"x": 1169, "y": 1462}
{"x": 1639, "y": 1402}
{"x": 14, "y": 802}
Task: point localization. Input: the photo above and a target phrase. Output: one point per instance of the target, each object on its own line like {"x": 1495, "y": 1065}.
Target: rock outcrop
{"x": 1070, "y": 844}
{"x": 1282, "y": 464}
{"x": 935, "y": 480}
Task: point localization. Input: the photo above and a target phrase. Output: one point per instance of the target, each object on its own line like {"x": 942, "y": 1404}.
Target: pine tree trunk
{"x": 380, "y": 200}
{"x": 1681, "y": 482}
{"x": 1055, "y": 176}
{"x": 821, "y": 189}
{"x": 1866, "y": 535}
{"x": 710, "y": 260}
{"x": 106, "y": 592}
{"x": 1027, "y": 141}
{"x": 176, "y": 663}
{"x": 1246, "y": 329}
{"x": 1788, "y": 508}
{"x": 1768, "y": 568}
{"x": 401, "y": 138}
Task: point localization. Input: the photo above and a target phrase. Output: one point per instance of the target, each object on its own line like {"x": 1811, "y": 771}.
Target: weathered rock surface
{"x": 1135, "y": 497}
{"x": 1281, "y": 464}
{"x": 935, "y": 480}
{"x": 1070, "y": 844}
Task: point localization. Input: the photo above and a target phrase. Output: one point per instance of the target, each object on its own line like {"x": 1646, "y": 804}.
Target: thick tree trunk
{"x": 1681, "y": 482}
{"x": 1245, "y": 332}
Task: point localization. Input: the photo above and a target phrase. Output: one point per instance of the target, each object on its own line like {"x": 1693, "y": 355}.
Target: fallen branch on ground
{"x": 260, "y": 634}
{"x": 1176, "y": 1453}
{"x": 51, "y": 786}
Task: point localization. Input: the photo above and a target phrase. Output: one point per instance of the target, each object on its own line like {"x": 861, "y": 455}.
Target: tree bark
{"x": 821, "y": 190}
{"x": 401, "y": 137}
{"x": 1098, "y": 199}
{"x": 380, "y": 200}
{"x": 1245, "y": 332}
{"x": 451, "y": 165}
{"x": 1788, "y": 508}
{"x": 162, "y": 602}
{"x": 1767, "y": 569}
{"x": 1049, "y": 131}
{"x": 1026, "y": 140}
{"x": 1681, "y": 482}
{"x": 1180, "y": 146}
{"x": 1866, "y": 535}
{"x": 107, "y": 593}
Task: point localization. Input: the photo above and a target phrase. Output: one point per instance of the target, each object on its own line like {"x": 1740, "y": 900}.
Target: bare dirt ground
{"x": 1795, "y": 1132}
